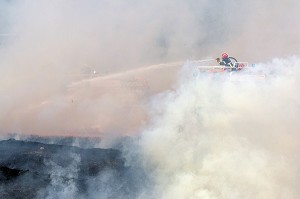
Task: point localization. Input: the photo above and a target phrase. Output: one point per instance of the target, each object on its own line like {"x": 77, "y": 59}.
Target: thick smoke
{"x": 206, "y": 137}
{"x": 216, "y": 138}
{"x": 62, "y": 184}
{"x": 46, "y": 44}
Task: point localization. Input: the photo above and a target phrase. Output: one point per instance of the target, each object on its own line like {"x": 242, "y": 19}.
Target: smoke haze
{"x": 197, "y": 137}
{"x": 45, "y": 45}
{"x": 221, "y": 139}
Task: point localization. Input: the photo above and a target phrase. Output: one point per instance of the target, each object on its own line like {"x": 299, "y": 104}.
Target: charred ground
{"x": 31, "y": 169}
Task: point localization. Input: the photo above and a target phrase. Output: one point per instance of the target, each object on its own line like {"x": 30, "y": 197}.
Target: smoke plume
{"x": 45, "y": 46}
{"x": 215, "y": 138}
{"x": 94, "y": 68}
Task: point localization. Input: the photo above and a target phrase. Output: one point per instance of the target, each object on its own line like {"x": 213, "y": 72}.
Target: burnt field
{"x": 32, "y": 169}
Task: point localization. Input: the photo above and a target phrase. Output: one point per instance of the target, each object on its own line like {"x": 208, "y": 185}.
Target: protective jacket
{"x": 226, "y": 62}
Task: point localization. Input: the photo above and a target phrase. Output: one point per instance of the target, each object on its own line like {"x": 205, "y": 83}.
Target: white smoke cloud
{"x": 62, "y": 180}
{"x": 208, "y": 139}
{"x": 45, "y": 44}
{"x": 213, "y": 138}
